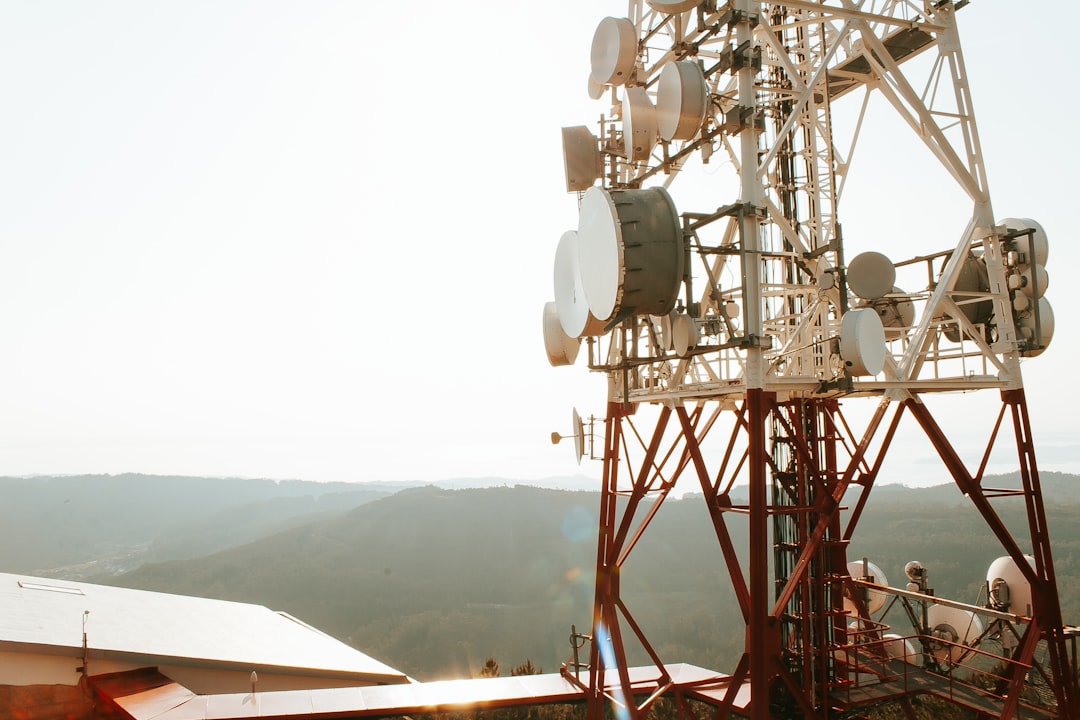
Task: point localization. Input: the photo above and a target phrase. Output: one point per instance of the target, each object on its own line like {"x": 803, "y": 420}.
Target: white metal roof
{"x": 147, "y": 695}
{"x": 149, "y": 627}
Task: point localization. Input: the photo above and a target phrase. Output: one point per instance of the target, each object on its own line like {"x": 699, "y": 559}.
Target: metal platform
{"x": 903, "y": 680}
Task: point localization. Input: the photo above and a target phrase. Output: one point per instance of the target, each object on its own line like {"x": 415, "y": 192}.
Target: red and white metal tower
{"x": 735, "y": 324}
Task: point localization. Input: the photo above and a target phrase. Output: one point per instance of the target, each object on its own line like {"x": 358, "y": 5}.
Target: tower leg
{"x": 1046, "y": 605}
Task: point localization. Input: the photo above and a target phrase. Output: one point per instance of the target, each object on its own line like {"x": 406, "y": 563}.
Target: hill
{"x": 433, "y": 581}
{"x": 78, "y": 526}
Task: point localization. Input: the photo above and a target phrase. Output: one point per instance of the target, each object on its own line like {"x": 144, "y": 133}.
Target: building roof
{"x": 157, "y": 628}
{"x": 147, "y": 695}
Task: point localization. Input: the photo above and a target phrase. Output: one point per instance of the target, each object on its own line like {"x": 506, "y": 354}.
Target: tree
{"x": 490, "y": 668}
{"x": 526, "y": 668}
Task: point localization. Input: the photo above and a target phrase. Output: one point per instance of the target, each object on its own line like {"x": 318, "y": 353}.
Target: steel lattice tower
{"x": 732, "y": 338}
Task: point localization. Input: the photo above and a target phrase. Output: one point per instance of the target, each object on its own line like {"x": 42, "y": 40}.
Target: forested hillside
{"x": 75, "y": 527}
{"x": 434, "y": 581}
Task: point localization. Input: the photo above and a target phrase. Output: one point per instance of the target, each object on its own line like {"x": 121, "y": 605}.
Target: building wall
{"x": 21, "y": 668}
{"x": 45, "y": 702}
{"x": 39, "y": 670}
{"x": 29, "y": 668}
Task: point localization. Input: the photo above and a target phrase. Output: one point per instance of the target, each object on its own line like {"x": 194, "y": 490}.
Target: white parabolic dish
{"x": 1026, "y": 325}
{"x": 875, "y": 599}
{"x": 962, "y": 626}
{"x": 681, "y": 100}
{"x": 1019, "y": 589}
{"x": 899, "y": 648}
{"x": 614, "y": 50}
{"x": 561, "y": 348}
{"x": 1042, "y": 245}
{"x": 862, "y": 342}
{"x": 630, "y": 251}
{"x": 685, "y": 334}
{"x": 871, "y": 275}
{"x": 639, "y": 124}
{"x": 573, "y": 310}
{"x": 579, "y": 435}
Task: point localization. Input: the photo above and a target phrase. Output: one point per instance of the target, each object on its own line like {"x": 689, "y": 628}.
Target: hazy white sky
{"x": 313, "y": 240}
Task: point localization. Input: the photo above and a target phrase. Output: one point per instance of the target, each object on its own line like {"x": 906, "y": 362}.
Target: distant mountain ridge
{"x": 434, "y": 580}
{"x": 74, "y": 526}
{"x": 77, "y": 526}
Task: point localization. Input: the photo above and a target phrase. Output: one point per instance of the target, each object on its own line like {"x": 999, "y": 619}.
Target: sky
{"x": 294, "y": 239}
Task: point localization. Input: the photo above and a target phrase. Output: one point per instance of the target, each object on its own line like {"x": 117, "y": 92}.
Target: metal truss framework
{"x": 778, "y": 74}
{"x": 800, "y": 657}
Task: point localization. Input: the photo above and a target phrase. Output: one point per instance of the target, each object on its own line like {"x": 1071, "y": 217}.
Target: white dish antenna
{"x": 1025, "y": 325}
{"x": 1008, "y": 588}
{"x": 952, "y": 625}
{"x": 866, "y": 570}
{"x": 578, "y": 435}
{"x": 614, "y": 51}
{"x": 630, "y": 249}
{"x": 899, "y": 648}
{"x": 862, "y": 342}
{"x": 682, "y": 99}
{"x": 871, "y": 275}
{"x": 595, "y": 89}
{"x": 1023, "y": 244}
{"x": 1030, "y": 280}
{"x": 639, "y": 123}
{"x": 561, "y": 348}
{"x": 663, "y": 327}
{"x": 573, "y": 310}
{"x": 685, "y": 334}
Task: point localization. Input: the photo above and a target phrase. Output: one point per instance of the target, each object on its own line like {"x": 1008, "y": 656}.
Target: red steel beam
{"x": 1044, "y": 597}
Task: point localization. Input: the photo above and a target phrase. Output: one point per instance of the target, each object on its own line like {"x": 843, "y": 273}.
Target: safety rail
{"x": 888, "y": 666}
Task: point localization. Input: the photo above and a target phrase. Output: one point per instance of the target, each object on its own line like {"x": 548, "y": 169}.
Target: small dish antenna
{"x": 900, "y": 648}
{"x": 1026, "y": 326}
{"x": 866, "y": 570}
{"x": 862, "y": 342}
{"x": 685, "y": 334}
{"x": 871, "y": 275}
{"x": 579, "y": 436}
{"x": 1008, "y": 589}
{"x": 573, "y": 309}
{"x": 682, "y": 99}
{"x": 952, "y": 629}
{"x": 639, "y": 122}
{"x": 595, "y": 89}
{"x": 561, "y": 348}
{"x": 614, "y": 51}
{"x": 1022, "y": 228}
